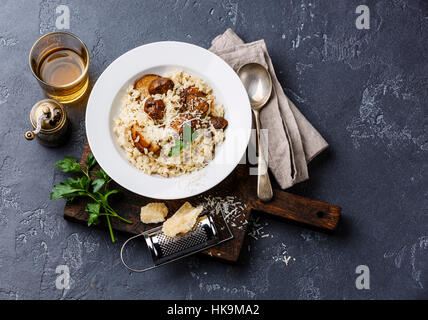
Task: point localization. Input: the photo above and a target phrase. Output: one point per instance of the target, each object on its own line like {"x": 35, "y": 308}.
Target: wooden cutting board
{"x": 238, "y": 189}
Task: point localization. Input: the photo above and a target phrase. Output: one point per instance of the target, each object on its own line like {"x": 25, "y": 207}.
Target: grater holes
{"x": 170, "y": 246}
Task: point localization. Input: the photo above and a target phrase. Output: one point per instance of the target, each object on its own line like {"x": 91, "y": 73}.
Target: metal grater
{"x": 164, "y": 249}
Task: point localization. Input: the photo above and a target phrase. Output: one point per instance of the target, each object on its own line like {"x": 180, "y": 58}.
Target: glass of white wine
{"x": 60, "y": 63}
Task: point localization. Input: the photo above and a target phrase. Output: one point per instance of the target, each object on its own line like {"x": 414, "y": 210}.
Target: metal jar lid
{"x": 46, "y": 116}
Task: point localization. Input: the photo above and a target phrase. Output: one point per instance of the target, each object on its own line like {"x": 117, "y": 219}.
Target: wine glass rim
{"x": 85, "y": 71}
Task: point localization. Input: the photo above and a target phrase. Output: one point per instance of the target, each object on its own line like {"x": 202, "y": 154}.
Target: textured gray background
{"x": 366, "y": 92}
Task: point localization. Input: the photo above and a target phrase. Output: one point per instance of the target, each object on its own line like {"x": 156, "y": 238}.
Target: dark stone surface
{"x": 365, "y": 90}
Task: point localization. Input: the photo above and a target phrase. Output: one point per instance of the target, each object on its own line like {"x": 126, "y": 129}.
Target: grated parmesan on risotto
{"x": 170, "y": 128}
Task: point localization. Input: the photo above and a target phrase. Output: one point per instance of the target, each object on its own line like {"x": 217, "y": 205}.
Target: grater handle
{"x": 123, "y": 260}
{"x": 163, "y": 263}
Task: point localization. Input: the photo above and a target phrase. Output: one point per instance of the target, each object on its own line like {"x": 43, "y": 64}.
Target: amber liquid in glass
{"x": 60, "y": 69}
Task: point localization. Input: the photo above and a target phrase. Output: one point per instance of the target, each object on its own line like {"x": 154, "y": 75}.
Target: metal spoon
{"x": 258, "y": 84}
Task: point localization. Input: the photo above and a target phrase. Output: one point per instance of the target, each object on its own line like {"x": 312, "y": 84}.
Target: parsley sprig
{"x": 96, "y": 189}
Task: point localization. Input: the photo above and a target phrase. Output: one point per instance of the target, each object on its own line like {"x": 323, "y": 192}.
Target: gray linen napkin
{"x": 292, "y": 140}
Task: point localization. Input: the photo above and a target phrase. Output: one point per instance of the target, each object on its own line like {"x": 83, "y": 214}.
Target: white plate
{"x": 161, "y": 58}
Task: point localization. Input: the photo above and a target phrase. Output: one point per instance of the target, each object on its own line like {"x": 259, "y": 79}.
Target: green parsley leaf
{"x": 80, "y": 183}
{"x": 101, "y": 174}
{"x": 109, "y": 194}
{"x": 64, "y": 190}
{"x": 69, "y": 164}
{"x": 97, "y": 184}
{"x": 94, "y": 212}
{"x": 90, "y": 162}
{"x": 81, "y": 187}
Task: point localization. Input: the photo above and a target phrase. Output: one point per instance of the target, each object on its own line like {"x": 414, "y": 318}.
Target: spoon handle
{"x": 264, "y": 188}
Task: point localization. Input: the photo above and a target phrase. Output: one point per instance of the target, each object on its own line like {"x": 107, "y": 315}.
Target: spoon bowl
{"x": 257, "y": 82}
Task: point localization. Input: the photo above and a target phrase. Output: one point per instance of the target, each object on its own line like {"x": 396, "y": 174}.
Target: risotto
{"x": 170, "y": 125}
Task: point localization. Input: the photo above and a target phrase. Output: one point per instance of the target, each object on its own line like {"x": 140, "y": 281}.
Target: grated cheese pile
{"x": 230, "y": 207}
{"x": 257, "y": 229}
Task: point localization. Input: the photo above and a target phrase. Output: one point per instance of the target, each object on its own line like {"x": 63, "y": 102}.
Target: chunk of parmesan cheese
{"x": 182, "y": 221}
{"x": 153, "y": 213}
